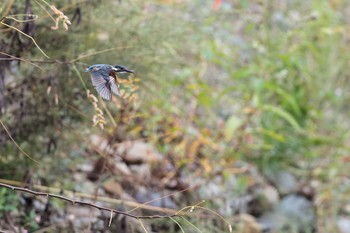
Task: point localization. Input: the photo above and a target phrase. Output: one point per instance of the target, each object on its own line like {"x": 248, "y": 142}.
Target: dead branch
{"x": 15, "y": 188}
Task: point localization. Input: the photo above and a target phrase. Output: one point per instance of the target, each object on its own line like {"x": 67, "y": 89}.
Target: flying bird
{"x": 104, "y": 79}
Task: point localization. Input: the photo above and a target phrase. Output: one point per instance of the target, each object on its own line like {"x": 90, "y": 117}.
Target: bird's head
{"x": 121, "y": 69}
{"x": 89, "y": 69}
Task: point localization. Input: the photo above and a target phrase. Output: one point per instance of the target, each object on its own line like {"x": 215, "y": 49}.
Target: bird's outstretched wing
{"x": 114, "y": 86}
{"x": 100, "y": 80}
{"x": 104, "y": 91}
{"x": 105, "y": 83}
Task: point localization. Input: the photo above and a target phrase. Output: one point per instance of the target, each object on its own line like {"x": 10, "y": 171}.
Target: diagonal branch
{"x": 26, "y": 190}
{"x": 13, "y": 58}
{"x": 16, "y": 29}
{"x": 181, "y": 213}
{"x": 16, "y": 144}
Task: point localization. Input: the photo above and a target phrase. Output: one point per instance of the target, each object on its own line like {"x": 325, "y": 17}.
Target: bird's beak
{"x": 129, "y": 71}
{"x": 87, "y": 70}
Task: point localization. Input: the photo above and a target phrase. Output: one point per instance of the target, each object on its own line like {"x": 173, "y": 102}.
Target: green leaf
{"x": 231, "y": 125}
{"x": 273, "y": 134}
{"x": 283, "y": 114}
{"x": 204, "y": 99}
{"x": 286, "y": 96}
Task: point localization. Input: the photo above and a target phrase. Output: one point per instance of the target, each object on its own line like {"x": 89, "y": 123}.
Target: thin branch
{"x": 143, "y": 227}
{"x": 12, "y": 58}
{"x": 98, "y": 52}
{"x": 217, "y": 214}
{"x": 89, "y": 196}
{"x": 16, "y": 29}
{"x": 108, "y": 113}
{"x": 34, "y": 17}
{"x": 171, "y": 194}
{"x": 8, "y": 9}
{"x": 87, "y": 203}
{"x": 35, "y": 62}
{"x": 81, "y": 79}
{"x": 189, "y": 208}
{"x": 71, "y": 62}
{"x": 44, "y": 9}
{"x": 177, "y": 223}
{"x": 181, "y": 213}
{"x": 68, "y": 105}
{"x": 110, "y": 219}
{"x": 183, "y": 218}
{"x": 13, "y": 140}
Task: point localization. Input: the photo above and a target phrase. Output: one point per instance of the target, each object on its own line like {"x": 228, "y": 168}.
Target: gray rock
{"x": 85, "y": 167}
{"x": 294, "y": 213}
{"x": 265, "y": 198}
{"x": 122, "y": 168}
{"x": 270, "y": 194}
{"x": 137, "y": 152}
{"x": 285, "y": 182}
{"x": 142, "y": 170}
{"x": 247, "y": 224}
{"x": 88, "y": 187}
{"x": 214, "y": 189}
{"x": 144, "y": 195}
{"x": 226, "y": 194}
{"x": 343, "y": 224}
{"x": 219, "y": 187}
{"x": 101, "y": 144}
{"x": 40, "y": 203}
{"x": 81, "y": 216}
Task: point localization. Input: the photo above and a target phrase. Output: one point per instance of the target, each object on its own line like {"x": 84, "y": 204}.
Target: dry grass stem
{"x": 98, "y": 118}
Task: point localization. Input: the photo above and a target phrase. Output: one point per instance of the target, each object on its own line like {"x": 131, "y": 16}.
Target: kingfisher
{"x": 104, "y": 79}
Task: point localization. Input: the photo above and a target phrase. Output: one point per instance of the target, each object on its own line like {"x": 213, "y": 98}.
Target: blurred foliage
{"x": 7, "y": 201}
{"x": 261, "y": 82}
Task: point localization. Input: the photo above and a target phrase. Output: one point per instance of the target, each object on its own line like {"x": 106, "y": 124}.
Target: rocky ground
{"x": 134, "y": 172}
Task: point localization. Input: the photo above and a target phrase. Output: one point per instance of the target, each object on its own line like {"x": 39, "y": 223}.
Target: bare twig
{"x": 15, "y": 188}
{"x": 143, "y": 227}
{"x": 181, "y": 213}
{"x": 178, "y": 224}
{"x": 110, "y": 219}
{"x": 13, "y": 58}
{"x": 13, "y": 17}
{"x": 98, "y": 52}
{"x": 191, "y": 224}
{"x": 89, "y": 196}
{"x": 145, "y": 203}
{"x": 8, "y": 9}
{"x": 13, "y": 140}
{"x": 16, "y": 29}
